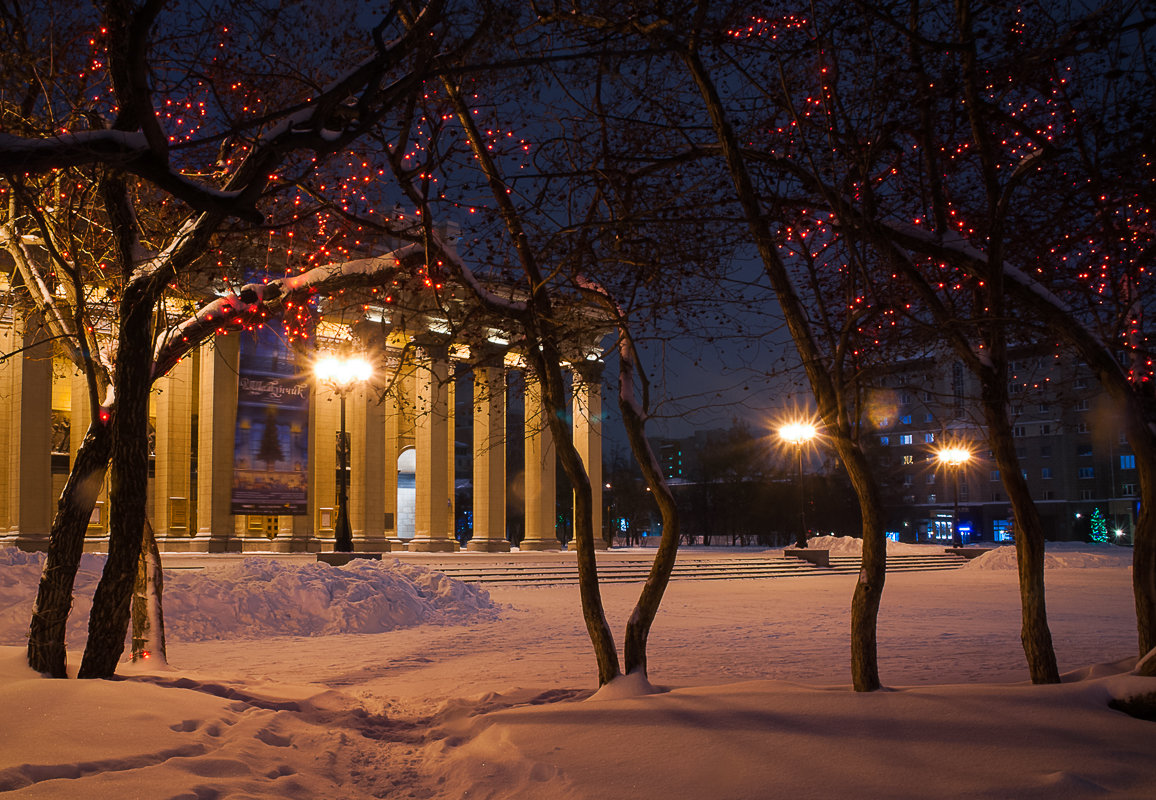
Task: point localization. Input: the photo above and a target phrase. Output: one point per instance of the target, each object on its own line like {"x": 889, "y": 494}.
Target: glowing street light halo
{"x": 953, "y": 456}
{"x": 342, "y": 372}
{"x": 797, "y": 432}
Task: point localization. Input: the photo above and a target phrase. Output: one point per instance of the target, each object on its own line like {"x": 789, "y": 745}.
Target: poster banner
{"x": 272, "y": 438}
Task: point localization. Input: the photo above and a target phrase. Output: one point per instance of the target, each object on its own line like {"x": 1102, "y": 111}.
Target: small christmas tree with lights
{"x": 1099, "y": 527}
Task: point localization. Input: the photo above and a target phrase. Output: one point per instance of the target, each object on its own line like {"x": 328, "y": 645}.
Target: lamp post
{"x": 799, "y": 434}
{"x": 953, "y": 459}
{"x": 340, "y": 374}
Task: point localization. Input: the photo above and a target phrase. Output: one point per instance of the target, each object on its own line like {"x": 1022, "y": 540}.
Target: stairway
{"x": 524, "y": 570}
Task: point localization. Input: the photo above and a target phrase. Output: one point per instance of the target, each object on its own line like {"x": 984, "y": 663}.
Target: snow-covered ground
{"x": 387, "y": 680}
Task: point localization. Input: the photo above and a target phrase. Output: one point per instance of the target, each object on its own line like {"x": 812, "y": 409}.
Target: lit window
{"x": 1046, "y": 473}
{"x": 905, "y": 419}
{"x": 909, "y": 459}
{"x": 1128, "y": 462}
{"x": 995, "y": 474}
{"x": 929, "y": 438}
{"x": 906, "y": 439}
{"x": 1087, "y": 472}
{"x": 883, "y": 440}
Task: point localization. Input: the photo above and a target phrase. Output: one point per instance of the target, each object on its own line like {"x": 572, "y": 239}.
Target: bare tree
{"x": 134, "y": 155}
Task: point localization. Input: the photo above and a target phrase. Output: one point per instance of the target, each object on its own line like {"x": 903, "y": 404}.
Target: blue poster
{"x": 271, "y": 447}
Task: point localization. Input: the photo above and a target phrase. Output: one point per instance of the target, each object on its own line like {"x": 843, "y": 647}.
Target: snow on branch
{"x": 256, "y": 303}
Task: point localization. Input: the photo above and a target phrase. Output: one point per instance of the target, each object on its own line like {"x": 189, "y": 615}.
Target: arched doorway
{"x": 406, "y": 492}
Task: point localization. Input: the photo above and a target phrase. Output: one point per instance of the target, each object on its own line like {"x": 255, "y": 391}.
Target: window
{"x": 1128, "y": 489}
{"x": 1045, "y": 429}
{"x": 909, "y": 459}
{"x": 909, "y": 499}
{"x": 1015, "y": 388}
{"x": 1046, "y": 473}
{"x": 1045, "y": 451}
{"x": 927, "y": 399}
{"x": 929, "y": 438}
{"x": 931, "y": 478}
{"x": 1085, "y": 494}
{"x": 883, "y": 440}
{"x": 1019, "y": 431}
{"x": 1087, "y": 472}
{"x": 995, "y": 497}
{"x": 995, "y": 474}
{"x": 1045, "y": 408}
{"x": 929, "y": 417}
{"x": 1001, "y": 530}
{"x": 1128, "y": 462}
{"x": 1024, "y": 472}
{"x": 963, "y": 491}
{"x": 1081, "y": 383}
{"x": 905, "y": 419}
{"x": 1082, "y": 405}
{"x": 907, "y": 480}
{"x": 905, "y": 397}
{"x": 1049, "y": 495}
{"x": 905, "y": 439}
{"x": 1082, "y": 427}
{"x": 1084, "y": 449}
{"x": 931, "y": 498}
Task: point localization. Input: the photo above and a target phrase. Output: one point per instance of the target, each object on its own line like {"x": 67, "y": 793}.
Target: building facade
{"x": 1069, "y": 440}
{"x": 401, "y": 450}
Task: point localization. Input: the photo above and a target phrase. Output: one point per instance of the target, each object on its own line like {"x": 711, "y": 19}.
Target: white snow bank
{"x": 1058, "y": 555}
{"x": 852, "y": 545}
{"x": 259, "y": 597}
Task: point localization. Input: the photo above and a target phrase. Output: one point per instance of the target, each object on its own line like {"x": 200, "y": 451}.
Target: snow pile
{"x": 1058, "y": 555}
{"x": 851, "y": 545}
{"x": 259, "y": 597}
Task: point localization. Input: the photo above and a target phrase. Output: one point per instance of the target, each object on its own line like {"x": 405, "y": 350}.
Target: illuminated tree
{"x": 164, "y": 130}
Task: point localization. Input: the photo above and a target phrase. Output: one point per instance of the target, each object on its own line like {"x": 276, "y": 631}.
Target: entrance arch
{"x": 406, "y": 492}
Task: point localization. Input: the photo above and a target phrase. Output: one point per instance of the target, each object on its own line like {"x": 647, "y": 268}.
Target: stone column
{"x": 541, "y": 516}
{"x": 216, "y": 429}
{"x": 587, "y": 409}
{"x": 323, "y": 423}
{"x": 489, "y": 460}
{"x": 366, "y": 426}
{"x": 26, "y": 413}
{"x": 432, "y": 438}
{"x": 172, "y": 485}
{"x": 391, "y": 450}
{"x": 451, "y": 452}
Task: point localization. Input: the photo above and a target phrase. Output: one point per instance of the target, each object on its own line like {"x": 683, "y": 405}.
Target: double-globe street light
{"x": 953, "y": 459}
{"x": 799, "y": 434}
{"x": 341, "y": 374}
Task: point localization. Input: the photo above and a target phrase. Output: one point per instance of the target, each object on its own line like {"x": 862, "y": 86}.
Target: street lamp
{"x": 799, "y": 434}
{"x": 953, "y": 459}
{"x": 340, "y": 374}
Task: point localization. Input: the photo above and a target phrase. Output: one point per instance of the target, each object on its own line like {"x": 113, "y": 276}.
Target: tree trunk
{"x": 642, "y": 617}
{"x": 148, "y": 619}
{"x": 108, "y": 622}
{"x": 46, "y": 648}
{"x": 1029, "y": 540}
{"x": 872, "y": 573}
{"x": 605, "y": 653}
